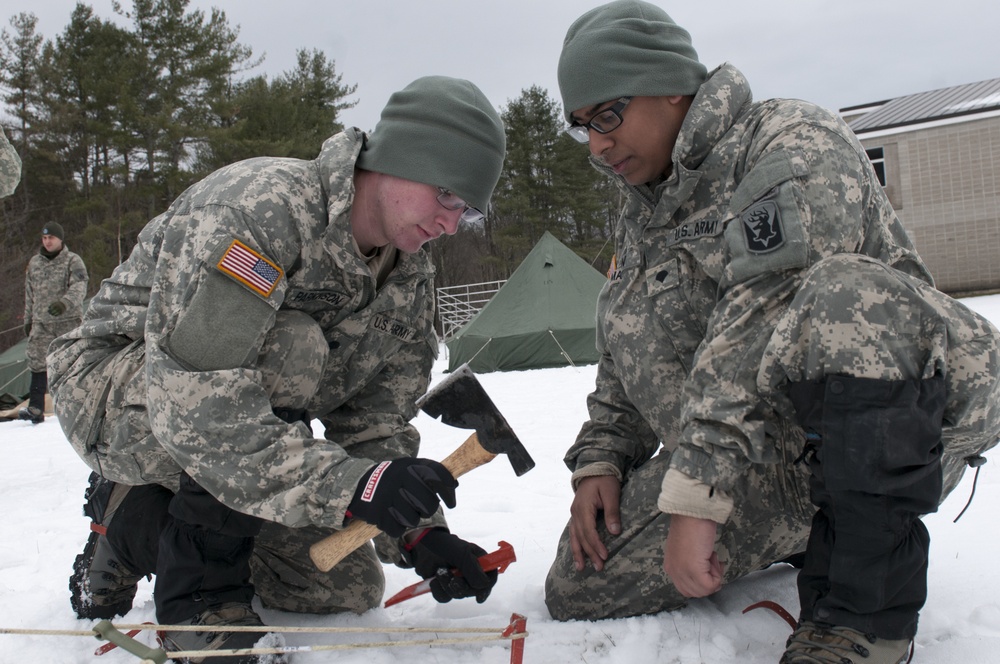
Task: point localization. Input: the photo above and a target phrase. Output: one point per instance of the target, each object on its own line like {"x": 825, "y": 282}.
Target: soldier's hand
{"x": 57, "y": 308}
{"x": 395, "y": 495}
{"x": 689, "y": 556}
{"x": 438, "y": 553}
{"x": 593, "y": 495}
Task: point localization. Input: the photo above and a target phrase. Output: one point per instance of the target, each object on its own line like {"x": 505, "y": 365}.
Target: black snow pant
{"x": 875, "y": 459}
{"x": 36, "y": 393}
{"x": 874, "y": 452}
{"x": 204, "y": 555}
{"x": 134, "y": 531}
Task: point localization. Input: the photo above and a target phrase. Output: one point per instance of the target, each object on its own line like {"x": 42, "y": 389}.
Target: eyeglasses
{"x": 604, "y": 122}
{"x": 451, "y": 201}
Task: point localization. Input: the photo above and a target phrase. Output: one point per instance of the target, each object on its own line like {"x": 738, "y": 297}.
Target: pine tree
{"x": 288, "y": 117}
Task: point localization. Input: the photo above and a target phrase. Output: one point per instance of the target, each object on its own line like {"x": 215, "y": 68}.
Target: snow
{"x": 43, "y": 530}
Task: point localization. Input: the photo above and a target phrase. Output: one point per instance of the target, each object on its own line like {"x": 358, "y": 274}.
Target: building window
{"x": 877, "y": 157}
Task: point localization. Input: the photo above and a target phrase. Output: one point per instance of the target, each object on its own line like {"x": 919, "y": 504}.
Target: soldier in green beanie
{"x": 55, "y": 284}
{"x": 780, "y": 380}
{"x": 274, "y": 296}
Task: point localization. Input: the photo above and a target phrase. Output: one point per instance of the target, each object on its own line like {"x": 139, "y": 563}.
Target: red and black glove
{"x": 438, "y": 553}
{"x": 395, "y": 495}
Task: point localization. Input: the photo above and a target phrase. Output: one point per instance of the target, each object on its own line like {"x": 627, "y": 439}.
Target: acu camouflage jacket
{"x": 62, "y": 278}
{"x": 204, "y": 318}
{"x": 705, "y": 262}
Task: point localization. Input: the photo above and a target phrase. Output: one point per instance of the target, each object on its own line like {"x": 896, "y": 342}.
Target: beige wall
{"x": 944, "y": 183}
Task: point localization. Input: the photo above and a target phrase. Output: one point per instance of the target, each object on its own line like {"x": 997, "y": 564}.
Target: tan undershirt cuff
{"x": 596, "y": 469}
{"x": 687, "y": 496}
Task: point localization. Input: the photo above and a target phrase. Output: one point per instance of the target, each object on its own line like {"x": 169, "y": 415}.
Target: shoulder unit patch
{"x": 250, "y": 268}
{"x": 762, "y": 227}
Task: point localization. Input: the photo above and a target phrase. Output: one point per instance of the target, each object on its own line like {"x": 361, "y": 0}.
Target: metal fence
{"x": 457, "y": 305}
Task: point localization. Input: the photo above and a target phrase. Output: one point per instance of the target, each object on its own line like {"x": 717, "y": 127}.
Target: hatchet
{"x": 460, "y": 401}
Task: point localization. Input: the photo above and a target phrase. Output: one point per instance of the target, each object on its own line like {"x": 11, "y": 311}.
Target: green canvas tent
{"x": 544, "y": 316}
{"x": 15, "y": 379}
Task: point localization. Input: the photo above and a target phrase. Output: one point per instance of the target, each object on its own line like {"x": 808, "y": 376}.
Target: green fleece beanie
{"x": 52, "y": 228}
{"x": 626, "y": 49}
{"x": 443, "y": 132}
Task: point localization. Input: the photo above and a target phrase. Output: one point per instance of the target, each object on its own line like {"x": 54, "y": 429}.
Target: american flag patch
{"x": 250, "y": 268}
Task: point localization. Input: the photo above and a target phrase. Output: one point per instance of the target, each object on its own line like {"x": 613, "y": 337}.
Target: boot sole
{"x": 79, "y": 588}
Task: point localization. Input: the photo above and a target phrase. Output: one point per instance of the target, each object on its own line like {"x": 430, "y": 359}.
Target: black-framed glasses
{"x": 603, "y": 122}
{"x": 452, "y": 201}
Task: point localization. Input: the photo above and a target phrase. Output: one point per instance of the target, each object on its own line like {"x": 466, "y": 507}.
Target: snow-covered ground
{"x": 42, "y": 530}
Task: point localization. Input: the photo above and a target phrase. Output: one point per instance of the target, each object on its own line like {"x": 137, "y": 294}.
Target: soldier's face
{"x": 640, "y": 148}
{"x": 407, "y": 214}
{"x": 51, "y": 243}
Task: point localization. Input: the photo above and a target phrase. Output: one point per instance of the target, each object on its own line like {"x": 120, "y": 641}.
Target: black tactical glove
{"x": 27, "y": 329}
{"x": 395, "y": 495}
{"x": 57, "y": 308}
{"x": 438, "y": 553}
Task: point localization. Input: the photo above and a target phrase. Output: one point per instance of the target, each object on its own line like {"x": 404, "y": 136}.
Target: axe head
{"x": 460, "y": 401}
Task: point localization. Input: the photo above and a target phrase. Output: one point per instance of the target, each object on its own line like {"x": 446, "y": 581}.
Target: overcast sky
{"x": 835, "y": 53}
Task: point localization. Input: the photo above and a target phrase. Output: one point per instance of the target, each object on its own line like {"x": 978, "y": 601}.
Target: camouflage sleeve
{"x": 375, "y": 423}
{"x": 78, "y": 281}
{"x": 811, "y": 176}
{"x": 28, "y": 294}
{"x": 10, "y": 167}
{"x": 616, "y": 435}
{"x": 206, "y": 400}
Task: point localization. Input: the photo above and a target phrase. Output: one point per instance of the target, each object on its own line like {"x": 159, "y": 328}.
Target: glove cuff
{"x": 412, "y": 538}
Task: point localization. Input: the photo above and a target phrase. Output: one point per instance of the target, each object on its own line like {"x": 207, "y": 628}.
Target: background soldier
{"x": 771, "y": 326}
{"x": 54, "y": 288}
{"x": 270, "y": 293}
{"x": 10, "y": 167}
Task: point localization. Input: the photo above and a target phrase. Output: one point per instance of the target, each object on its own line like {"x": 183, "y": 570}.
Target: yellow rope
{"x": 259, "y": 628}
{"x": 494, "y": 634}
{"x": 340, "y": 646}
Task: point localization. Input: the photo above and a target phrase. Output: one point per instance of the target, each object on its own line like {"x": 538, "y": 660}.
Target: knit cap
{"x": 626, "y": 49}
{"x": 52, "y": 228}
{"x": 440, "y": 131}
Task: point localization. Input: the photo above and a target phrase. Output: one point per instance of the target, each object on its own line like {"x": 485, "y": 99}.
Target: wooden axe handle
{"x": 332, "y": 549}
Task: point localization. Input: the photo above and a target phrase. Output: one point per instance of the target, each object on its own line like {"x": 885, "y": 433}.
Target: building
{"x": 937, "y": 154}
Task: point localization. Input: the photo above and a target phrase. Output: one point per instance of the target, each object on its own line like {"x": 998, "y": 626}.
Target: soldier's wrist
{"x": 685, "y": 495}
{"x": 597, "y": 469}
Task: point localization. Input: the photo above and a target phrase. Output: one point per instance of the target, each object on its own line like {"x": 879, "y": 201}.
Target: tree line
{"x": 113, "y": 121}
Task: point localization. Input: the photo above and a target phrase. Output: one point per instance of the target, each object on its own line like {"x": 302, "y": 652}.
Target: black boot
{"x": 121, "y": 548}
{"x": 203, "y": 575}
{"x": 35, "y": 410}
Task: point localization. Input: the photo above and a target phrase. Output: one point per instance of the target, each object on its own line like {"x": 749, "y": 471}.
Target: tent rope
{"x": 469, "y": 361}
{"x": 4, "y": 386}
{"x": 561, "y": 349}
{"x": 600, "y": 251}
{"x": 515, "y": 632}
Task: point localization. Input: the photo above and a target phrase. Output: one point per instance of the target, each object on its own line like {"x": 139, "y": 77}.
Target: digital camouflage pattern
{"x": 285, "y": 578}
{"x": 170, "y": 368}
{"x": 700, "y": 331}
{"x": 62, "y": 278}
{"x": 10, "y": 167}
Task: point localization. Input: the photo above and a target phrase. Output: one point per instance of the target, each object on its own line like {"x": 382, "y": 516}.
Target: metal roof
{"x": 956, "y": 101}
